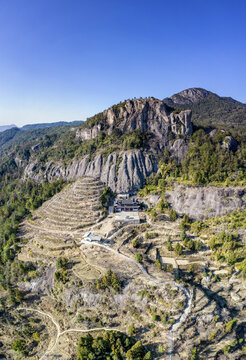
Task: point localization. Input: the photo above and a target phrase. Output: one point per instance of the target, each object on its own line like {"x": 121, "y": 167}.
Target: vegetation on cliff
{"x": 227, "y": 245}
{"x": 208, "y": 161}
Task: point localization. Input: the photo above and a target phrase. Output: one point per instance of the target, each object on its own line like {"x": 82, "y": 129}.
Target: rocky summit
{"x": 143, "y": 114}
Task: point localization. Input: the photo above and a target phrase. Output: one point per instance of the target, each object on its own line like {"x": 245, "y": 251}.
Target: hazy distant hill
{"x": 54, "y": 124}
{"x": 6, "y": 127}
{"x": 209, "y": 109}
{"x": 8, "y": 135}
{"x": 19, "y": 136}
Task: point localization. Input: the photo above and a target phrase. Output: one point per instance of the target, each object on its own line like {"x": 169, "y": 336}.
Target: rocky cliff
{"x": 204, "y": 202}
{"x": 150, "y": 115}
{"x": 124, "y": 170}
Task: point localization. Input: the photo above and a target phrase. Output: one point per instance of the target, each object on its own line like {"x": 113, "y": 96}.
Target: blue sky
{"x": 66, "y": 60}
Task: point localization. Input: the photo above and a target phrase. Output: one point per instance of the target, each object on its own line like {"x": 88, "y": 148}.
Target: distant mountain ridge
{"x": 53, "y": 124}
{"x": 41, "y": 125}
{"x": 13, "y": 133}
{"x": 6, "y": 127}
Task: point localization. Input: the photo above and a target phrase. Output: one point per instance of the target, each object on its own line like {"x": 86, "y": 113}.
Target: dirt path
{"x": 53, "y": 321}
{"x": 60, "y": 333}
{"x": 173, "y": 328}
{"x": 186, "y": 310}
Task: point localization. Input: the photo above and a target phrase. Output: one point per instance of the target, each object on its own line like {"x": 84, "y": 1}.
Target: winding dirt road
{"x": 60, "y": 333}
{"x": 186, "y": 310}
{"x": 174, "y": 327}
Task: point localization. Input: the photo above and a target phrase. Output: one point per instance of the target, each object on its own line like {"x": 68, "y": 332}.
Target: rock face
{"x": 230, "y": 144}
{"x": 189, "y": 96}
{"x": 204, "y": 202}
{"x": 123, "y": 172}
{"x": 149, "y": 114}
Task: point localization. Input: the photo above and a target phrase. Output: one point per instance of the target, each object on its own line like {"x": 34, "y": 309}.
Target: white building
{"x": 91, "y": 237}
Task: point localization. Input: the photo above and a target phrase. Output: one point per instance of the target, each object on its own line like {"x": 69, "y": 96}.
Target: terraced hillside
{"x": 72, "y": 210}
{"x": 63, "y": 219}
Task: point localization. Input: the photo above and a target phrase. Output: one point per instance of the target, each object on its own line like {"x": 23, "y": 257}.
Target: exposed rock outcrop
{"x": 87, "y": 134}
{"x": 230, "y": 144}
{"x": 189, "y": 96}
{"x": 123, "y": 172}
{"x": 204, "y": 202}
{"x": 143, "y": 114}
{"x": 179, "y": 149}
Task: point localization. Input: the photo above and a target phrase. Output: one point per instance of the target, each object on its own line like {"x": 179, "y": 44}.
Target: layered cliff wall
{"x": 123, "y": 172}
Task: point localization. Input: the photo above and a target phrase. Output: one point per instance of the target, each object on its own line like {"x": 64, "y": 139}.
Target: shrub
{"x": 173, "y": 215}
{"x": 169, "y": 268}
{"x": 61, "y": 263}
{"x": 161, "y": 349}
{"x": 131, "y": 330}
{"x": 230, "y": 325}
{"x": 139, "y": 257}
{"x": 178, "y": 249}
{"x": 109, "y": 280}
{"x": 36, "y": 336}
{"x": 169, "y": 244}
{"x": 135, "y": 242}
{"x": 20, "y": 346}
{"x": 158, "y": 264}
{"x": 198, "y": 245}
{"x": 193, "y": 354}
{"x": 62, "y": 276}
{"x": 183, "y": 235}
{"x": 212, "y": 335}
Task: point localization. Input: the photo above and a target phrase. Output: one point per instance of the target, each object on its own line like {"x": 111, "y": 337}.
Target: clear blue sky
{"x": 66, "y": 60}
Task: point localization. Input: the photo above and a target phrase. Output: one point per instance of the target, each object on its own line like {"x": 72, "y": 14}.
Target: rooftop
{"x": 92, "y": 237}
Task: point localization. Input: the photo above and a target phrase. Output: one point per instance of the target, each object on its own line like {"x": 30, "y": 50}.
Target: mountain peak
{"x": 189, "y": 96}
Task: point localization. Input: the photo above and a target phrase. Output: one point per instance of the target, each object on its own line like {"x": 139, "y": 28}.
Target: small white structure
{"x": 91, "y": 237}
{"x": 123, "y": 196}
{"x": 128, "y": 217}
